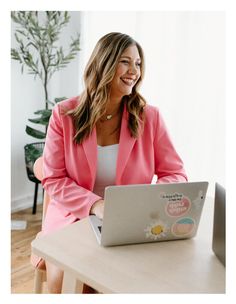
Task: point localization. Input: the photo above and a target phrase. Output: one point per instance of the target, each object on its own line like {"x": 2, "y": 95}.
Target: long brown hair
{"x": 98, "y": 76}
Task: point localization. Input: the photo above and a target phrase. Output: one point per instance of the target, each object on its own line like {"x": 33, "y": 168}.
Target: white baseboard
{"x": 25, "y": 202}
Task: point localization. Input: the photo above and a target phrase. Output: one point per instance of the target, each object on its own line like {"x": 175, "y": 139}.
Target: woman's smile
{"x": 128, "y": 81}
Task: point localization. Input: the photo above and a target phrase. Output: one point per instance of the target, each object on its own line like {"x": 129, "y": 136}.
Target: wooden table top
{"x": 182, "y": 266}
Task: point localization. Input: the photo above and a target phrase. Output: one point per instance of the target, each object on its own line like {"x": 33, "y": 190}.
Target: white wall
{"x": 185, "y": 78}
{"x": 26, "y": 97}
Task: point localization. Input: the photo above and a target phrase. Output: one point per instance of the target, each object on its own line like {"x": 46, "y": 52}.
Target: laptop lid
{"x": 150, "y": 213}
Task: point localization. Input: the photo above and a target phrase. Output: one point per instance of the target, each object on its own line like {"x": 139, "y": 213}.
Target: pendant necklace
{"x": 109, "y": 116}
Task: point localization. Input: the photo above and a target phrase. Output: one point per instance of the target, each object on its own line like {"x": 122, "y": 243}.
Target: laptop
{"x": 149, "y": 213}
{"x": 218, "y": 243}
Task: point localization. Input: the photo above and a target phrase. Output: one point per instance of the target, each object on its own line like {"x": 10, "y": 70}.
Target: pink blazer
{"x": 70, "y": 169}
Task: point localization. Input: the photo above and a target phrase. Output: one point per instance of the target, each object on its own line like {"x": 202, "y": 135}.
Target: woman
{"x": 107, "y": 136}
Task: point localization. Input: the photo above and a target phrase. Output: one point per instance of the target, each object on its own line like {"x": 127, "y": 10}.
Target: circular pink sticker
{"x": 178, "y": 207}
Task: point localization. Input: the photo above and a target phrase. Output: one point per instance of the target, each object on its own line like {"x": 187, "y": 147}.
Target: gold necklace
{"x": 109, "y": 116}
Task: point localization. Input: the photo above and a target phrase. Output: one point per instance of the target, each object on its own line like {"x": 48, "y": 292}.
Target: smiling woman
{"x": 106, "y": 136}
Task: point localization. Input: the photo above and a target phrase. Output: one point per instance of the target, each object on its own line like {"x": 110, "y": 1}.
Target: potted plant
{"x": 39, "y": 53}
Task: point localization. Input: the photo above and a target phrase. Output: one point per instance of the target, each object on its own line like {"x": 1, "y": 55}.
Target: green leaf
{"x": 15, "y": 55}
{"x": 44, "y": 112}
{"x": 42, "y": 121}
{"x": 35, "y": 133}
{"x": 60, "y": 99}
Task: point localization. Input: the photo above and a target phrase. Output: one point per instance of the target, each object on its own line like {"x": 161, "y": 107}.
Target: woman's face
{"x": 127, "y": 73}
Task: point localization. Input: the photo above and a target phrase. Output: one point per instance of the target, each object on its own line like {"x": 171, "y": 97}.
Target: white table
{"x": 183, "y": 266}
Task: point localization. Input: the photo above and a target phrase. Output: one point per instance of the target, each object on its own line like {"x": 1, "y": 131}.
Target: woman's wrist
{"x": 95, "y": 206}
{"x": 98, "y": 208}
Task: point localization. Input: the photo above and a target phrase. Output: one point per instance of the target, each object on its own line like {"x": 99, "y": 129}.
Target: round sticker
{"x": 178, "y": 207}
{"x": 183, "y": 226}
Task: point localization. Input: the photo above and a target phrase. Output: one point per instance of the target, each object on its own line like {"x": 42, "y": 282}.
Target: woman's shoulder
{"x": 64, "y": 106}
{"x": 68, "y": 104}
{"x": 151, "y": 111}
{"x": 153, "y": 117}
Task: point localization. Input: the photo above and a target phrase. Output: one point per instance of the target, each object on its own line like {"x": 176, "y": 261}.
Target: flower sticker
{"x": 156, "y": 230}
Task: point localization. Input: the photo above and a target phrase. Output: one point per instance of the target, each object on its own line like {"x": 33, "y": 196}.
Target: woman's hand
{"x": 98, "y": 209}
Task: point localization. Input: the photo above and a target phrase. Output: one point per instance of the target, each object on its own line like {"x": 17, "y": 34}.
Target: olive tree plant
{"x": 38, "y": 52}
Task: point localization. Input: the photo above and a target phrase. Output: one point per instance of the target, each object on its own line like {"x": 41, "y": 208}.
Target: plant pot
{"x": 32, "y": 152}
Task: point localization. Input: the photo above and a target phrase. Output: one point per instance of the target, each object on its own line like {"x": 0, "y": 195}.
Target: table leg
{"x": 71, "y": 284}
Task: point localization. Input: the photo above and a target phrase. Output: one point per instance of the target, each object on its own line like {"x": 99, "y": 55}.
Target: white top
{"x": 106, "y": 168}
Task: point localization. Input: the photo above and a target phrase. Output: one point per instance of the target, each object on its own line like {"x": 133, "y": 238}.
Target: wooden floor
{"x": 22, "y": 273}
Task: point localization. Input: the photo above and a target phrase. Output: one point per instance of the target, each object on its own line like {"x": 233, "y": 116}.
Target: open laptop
{"x": 150, "y": 213}
{"x": 218, "y": 242}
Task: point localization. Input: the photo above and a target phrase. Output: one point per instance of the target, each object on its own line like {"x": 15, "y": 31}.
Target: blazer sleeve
{"x": 169, "y": 167}
{"x": 60, "y": 187}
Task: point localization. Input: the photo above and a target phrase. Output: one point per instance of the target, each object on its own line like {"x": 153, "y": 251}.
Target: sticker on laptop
{"x": 183, "y": 227}
{"x": 156, "y": 230}
{"x": 177, "y": 204}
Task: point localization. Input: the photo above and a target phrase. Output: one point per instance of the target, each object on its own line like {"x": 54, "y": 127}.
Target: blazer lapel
{"x": 90, "y": 150}
{"x": 126, "y": 144}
